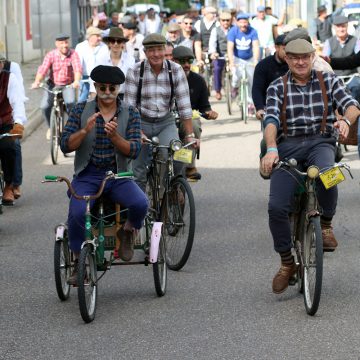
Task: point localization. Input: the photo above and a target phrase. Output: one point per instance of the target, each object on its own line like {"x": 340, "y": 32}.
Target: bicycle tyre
{"x": 160, "y": 268}
{"x": 87, "y": 284}
{"x": 54, "y": 136}
{"x": 65, "y": 117}
{"x": 313, "y": 265}
{"x": 62, "y": 269}
{"x": 2, "y": 186}
{"x": 179, "y": 223}
{"x": 245, "y": 110}
{"x": 228, "y": 92}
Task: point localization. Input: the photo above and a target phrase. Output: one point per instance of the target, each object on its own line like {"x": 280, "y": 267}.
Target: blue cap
{"x": 260, "y": 8}
{"x": 242, "y": 16}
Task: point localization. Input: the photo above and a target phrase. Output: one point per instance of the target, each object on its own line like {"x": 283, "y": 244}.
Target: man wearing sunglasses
{"x": 199, "y": 101}
{"x": 105, "y": 135}
{"x": 218, "y": 48}
{"x": 152, "y": 86}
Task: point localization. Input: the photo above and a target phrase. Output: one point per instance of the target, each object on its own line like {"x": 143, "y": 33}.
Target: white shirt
{"x": 136, "y": 43}
{"x": 264, "y": 29}
{"x": 152, "y": 25}
{"x": 89, "y": 55}
{"x": 16, "y": 101}
{"x": 124, "y": 64}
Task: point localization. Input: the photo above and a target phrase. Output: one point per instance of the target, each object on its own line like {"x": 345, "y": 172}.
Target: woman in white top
{"x": 117, "y": 56}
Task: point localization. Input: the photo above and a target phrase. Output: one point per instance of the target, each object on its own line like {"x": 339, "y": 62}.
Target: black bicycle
{"x": 306, "y": 229}
{"x": 171, "y": 198}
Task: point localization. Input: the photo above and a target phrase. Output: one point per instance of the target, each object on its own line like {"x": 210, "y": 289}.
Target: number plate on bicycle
{"x": 332, "y": 177}
{"x": 183, "y": 155}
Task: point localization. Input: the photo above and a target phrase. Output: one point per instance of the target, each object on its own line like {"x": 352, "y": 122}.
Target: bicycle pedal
{"x": 293, "y": 280}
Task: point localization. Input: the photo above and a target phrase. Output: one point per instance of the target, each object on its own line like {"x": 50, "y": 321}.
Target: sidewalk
{"x": 32, "y": 106}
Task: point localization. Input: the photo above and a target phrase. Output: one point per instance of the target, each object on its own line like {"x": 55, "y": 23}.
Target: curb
{"x": 34, "y": 121}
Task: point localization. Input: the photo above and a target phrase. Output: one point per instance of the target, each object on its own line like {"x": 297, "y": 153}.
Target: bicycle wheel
{"x": 2, "y": 185}
{"x": 54, "y": 136}
{"x": 243, "y": 102}
{"x": 178, "y": 216}
{"x": 62, "y": 268}
{"x": 313, "y": 265}
{"x": 228, "y": 92}
{"x": 160, "y": 268}
{"x": 87, "y": 285}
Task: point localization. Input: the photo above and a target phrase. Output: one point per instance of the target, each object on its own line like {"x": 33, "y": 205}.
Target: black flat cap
{"x": 62, "y": 36}
{"x": 321, "y": 8}
{"x": 280, "y": 39}
{"x": 107, "y": 75}
{"x": 341, "y": 19}
{"x": 154, "y": 40}
{"x": 129, "y": 25}
{"x": 182, "y": 52}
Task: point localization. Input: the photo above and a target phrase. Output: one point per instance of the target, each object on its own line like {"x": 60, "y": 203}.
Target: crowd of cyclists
{"x": 139, "y": 66}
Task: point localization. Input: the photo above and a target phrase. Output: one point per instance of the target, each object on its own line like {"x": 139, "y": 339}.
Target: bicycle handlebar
{"x": 56, "y": 90}
{"x": 109, "y": 175}
{"x": 8, "y": 135}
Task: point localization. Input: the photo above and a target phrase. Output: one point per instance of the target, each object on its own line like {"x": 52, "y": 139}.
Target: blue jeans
{"x": 84, "y": 89}
{"x": 313, "y": 150}
{"x": 125, "y": 192}
{"x": 218, "y": 69}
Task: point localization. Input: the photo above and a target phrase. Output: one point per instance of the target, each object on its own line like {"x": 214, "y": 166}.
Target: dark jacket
{"x": 348, "y": 62}
{"x": 199, "y": 94}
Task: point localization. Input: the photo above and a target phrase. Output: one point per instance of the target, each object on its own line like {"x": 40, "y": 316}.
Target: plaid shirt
{"x": 61, "y": 68}
{"x": 156, "y": 90}
{"x": 305, "y": 105}
{"x": 103, "y": 155}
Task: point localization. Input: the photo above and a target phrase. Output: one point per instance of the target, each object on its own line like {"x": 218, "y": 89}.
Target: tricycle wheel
{"x": 87, "y": 285}
{"x": 62, "y": 268}
{"x": 160, "y": 268}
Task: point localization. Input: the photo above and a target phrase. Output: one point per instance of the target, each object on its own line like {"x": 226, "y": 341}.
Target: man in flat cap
{"x": 90, "y": 51}
{"x": 105, "y": 135}
{"x": 152, "y": 86}
{"x": 298, "y": 127}
{"x": 341, "y": 45}
{"x": 323, "y": 24}
{"x": 199, "y": 99}
{"x": 64, "y": 68}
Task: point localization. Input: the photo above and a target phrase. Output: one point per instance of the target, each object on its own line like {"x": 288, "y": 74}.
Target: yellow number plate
{"x": 183, "y": 155}
{"x": 332, "y": 177}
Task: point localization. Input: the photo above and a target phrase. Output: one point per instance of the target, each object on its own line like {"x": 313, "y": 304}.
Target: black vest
{"x": 323, "y": 29}
{"x": 221, "y": 41}
{"x": 205, "y": 34}
{"x": 341, "y": 52}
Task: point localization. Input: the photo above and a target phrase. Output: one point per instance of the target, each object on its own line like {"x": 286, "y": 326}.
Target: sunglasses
{"x": 113, "y": 41}
{"x": 188, "y": 23}
{"x": 184, "y": 61}
{"x": 103, "y": 88}
{"x": 227, "y": 20}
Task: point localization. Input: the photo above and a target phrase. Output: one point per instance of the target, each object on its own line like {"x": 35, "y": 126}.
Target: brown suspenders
{"x": 324, "y": 96}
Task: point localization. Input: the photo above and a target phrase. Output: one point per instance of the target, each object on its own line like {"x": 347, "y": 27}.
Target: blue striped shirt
{"x": 104, "y": 152}
{"x": 305, "y": 105}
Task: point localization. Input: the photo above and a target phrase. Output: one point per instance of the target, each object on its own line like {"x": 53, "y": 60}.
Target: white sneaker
{"x": 48, "y": 134}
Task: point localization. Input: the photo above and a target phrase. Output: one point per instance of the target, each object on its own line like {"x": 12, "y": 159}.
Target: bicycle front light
{"x": 313, "y": 172}
{"x": 175, "y": 145}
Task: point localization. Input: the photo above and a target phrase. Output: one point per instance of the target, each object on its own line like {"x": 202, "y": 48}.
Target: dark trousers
{"x": 315, "y": 150}
{"x": 18, "y": 173}
{"x": 218, "y": 69}
{"x": 125, "y": 192}
{"x": 7, "y": 155}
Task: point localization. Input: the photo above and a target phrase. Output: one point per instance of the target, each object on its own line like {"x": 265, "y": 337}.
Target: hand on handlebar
{"x": 35, "y": 85}
{"x": 268, "y": 162}
{"x": 196, "y": 144}
{"x": 17, "y": 129}
{"x": 211, "y": 115}
{"x": 343, "y": 129}
{"x": 260, "y": 114}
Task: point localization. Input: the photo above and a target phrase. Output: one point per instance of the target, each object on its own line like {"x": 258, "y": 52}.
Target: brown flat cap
{"x": 173, "y": 27}
{"x": 299, "y": 46}
{"x": 116, "y": 33}
{"x": 154, "y": 40}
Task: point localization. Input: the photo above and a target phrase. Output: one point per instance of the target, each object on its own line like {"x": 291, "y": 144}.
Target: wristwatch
{"x": 346, "y": 120}
{"x": 192, "y": 135}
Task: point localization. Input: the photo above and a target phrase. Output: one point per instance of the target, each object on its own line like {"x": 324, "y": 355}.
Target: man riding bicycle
{"x": 105, "y": 135}
{"x": 307, "y": 131}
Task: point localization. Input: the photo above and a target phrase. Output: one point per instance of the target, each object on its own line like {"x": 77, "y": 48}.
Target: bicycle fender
{"x": 59, "y": 231}
{"x": 155, "y": 240}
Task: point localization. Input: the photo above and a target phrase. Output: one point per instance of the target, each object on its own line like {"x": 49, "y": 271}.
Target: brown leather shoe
{"x": 329, "y": 241}
{"x": 16, "y": 191}
{"x": 193, "y": 174}
{"x": 8, "y": 195}
{"x": 126, "y": 250}
{"x": 72, "y": 280}
{"x": 281, "y": 279}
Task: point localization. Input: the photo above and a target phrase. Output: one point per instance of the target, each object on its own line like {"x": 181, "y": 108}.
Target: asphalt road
{"x": 220, "y": 306}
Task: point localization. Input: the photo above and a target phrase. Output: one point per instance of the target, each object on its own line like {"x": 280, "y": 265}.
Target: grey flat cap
{"x": 321, "y": 8}
{"x": 183, "y": 52}
{"x": 62, "y": 36}
{"x": 298, "y": 33}
{"x": 299, "y": 46}
{"x": 154, "y": 40}
{"x": 341, "y": 19}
